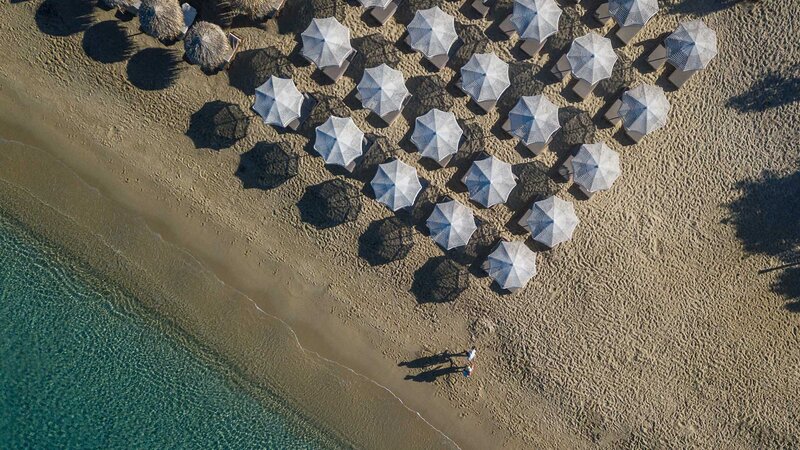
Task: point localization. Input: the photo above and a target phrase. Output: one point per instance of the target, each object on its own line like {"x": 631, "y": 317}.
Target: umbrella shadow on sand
{"x": 153, "y": 69}
{"x": 218, "y": 125}
{"x": 64, "y": 17}
{"x": 386, "y": 240}
{"x": 440, "y": 280}
{"x": 267, "y": 166}
{"x": 107, "y": 42}
{"x": 766, "y": 218}
{"x": 776, "y": 88}
{"x": 329, "y": 204}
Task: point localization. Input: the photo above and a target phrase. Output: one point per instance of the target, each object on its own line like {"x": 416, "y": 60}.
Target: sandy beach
{"x": 659, "y": 325}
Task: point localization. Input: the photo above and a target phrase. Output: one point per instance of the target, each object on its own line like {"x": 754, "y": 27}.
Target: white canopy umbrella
{"x": 326, "y": 42}
{"x": 375, "y": 3}
{"x": 511, "y": 265}
{"x": 551, "y": 221}
{"x": 595, "y": 167}
{"x": 396, "y": 184}
{"x": 691, "y": 46}
{"x": 535, "y": 19}
{"x": 490, "y": 181}
{"x": 485, "y": 77}
{"x": 339, "y": 141}
{"x": 437, "y": 135}
{"x": 592, "y": 58}
{"x": 432, "y": 32}
{"x": 534, "y": 119}
{"x": 382, "y": 90}
{"x": 644, "y": 109}
{"x": 451, "y": 224}
{"x": 278, "y": 101}
{"x": 632, "y": 12}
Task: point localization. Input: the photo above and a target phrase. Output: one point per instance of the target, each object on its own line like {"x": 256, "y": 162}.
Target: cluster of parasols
{"x": 484, "y": 78}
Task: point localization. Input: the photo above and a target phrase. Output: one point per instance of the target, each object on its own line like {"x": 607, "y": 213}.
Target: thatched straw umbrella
{"x": 207, "y": 46}
{"x": 258, "y": 9}
{"x": 162, "y": 19}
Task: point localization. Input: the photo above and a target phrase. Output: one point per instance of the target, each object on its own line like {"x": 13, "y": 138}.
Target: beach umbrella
{"x": 257, "y": 9}
{"x": 382, "y": 90}
{"x": 691, "y": 46}
{"x": 489, "y": 181}
{"x": 385, "y": 241}
{"x": 595, "y": 167}
{"x": 396, "y": 184}
{"x": 592, "y": 58}
{"x": 644, "y": 109}
{"x": 485, "y": 77}
{"x": 326, "y": 42}
{"x": 278, "y": 101}
{"x": 432, "y": 32}
{"x": 534, "y": 119}
{"x": 267, "y": 165}
{"x": 511, "y": 265}
{"x": 207, "y": 46}
{"x": 375, "y": 3}
{"x": 551, "y": 221}
{"x": 632, "y": 12}
{"x": 451, "y": 224}
{"x": 330, "y": 203}
{"x": 437, "y": 135}
{"x": 339, "y": 141}
{"x": 535, "y": 19}
{"x": 161, "y": 19}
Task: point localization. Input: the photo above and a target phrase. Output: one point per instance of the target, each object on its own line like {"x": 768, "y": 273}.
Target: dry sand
{"x": 652, "y": 328}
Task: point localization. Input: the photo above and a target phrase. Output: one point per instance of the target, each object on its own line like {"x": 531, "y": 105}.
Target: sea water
{"x": 84, "y": 365}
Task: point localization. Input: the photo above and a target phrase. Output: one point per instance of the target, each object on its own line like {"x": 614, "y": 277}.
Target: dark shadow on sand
{"x": 251, "y": 68}
{"x": 776, "y": 88}
{"x": 153, "y": 69}
{"x": 386, "y": 240}
{"x": 267, "y": 165}
{"x": 329, "y": 204}
{"x": 217, "y": 125}
{"x": 107, "y": 42}
{"x": 439, "y": 280}
{"x": 64, "y": 17}
{"x": 766, "y": 218}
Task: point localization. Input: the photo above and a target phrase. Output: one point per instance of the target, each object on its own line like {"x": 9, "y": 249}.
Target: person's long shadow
{"x": 776, "y": 88}
{"x": 430, "y": 376}
{"x": 766, "y": 218}
{"x": 701, "y": 8}
{"x": 430, "y": 360}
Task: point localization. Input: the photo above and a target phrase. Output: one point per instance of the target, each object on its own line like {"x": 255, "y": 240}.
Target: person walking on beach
{"x": 468, "y": 370}
{"x": 470, "y": 354}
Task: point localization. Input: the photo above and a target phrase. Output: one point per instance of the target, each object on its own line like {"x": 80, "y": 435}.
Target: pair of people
{"x": 470, "y": 354}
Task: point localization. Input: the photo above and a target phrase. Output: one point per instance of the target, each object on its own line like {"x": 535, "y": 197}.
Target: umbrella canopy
{"x": 485, "y": 77}
{"x": 490, "y": 181}
{"x": 339, "y": 141}
{"x": 278, "y": 101}
{"x": 551, "y": 221}
{"x": 632, "y": 12}
{"x": 592, "y": 58}
{"x": 437, "y": 135}
{"x": 162, "y": 19}
{"x": 207, "y": 46}
{"x": 644, "y": 109}
{"x": 396, "y": 184}
{"x": 326, "y": 42}
{"x": 511, "y": 265}
{"x": 383, "y": 90}
{"x": 535, "y": 19}
{"x": 375, "y": 3}
{"x": 257, "y": 9}
{"x": 691, "y": 46}
{"x": 595, "y": 167}
{"x": 432, "y": 32}
{"x": 451, "y": 224}
{"x": 534, "y": 119}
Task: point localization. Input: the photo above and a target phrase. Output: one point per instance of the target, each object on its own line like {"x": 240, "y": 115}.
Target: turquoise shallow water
{"x": 82, "y": 365}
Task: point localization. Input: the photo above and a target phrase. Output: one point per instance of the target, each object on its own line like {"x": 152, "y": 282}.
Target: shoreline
{"x": 313, "y": 336}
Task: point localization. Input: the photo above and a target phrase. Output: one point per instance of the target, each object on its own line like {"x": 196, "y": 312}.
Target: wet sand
{"x": 653, "y": 327}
